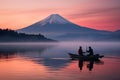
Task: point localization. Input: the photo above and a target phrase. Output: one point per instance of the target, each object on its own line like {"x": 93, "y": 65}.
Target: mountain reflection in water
{"x": 45, "y": 62}
{"x": 33, "y": 53}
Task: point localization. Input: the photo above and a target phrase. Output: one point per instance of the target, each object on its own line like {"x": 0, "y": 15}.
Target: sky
{"x": 97, "y": 14}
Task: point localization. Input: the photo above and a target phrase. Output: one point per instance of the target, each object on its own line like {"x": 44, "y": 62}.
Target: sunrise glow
{"x": 102, "y": 14}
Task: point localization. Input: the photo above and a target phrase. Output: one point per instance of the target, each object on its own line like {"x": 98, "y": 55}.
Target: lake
{"x": 50, "y": 61}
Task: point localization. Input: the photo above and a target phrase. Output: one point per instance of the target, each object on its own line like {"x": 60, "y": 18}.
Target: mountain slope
{"x": 57, "y": 27}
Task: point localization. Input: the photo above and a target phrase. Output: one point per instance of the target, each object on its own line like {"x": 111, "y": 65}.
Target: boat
{"x": 95, "y": 57}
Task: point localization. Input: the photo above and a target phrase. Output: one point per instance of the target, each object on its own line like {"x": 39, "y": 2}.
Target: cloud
{"x": 89, "y": 13}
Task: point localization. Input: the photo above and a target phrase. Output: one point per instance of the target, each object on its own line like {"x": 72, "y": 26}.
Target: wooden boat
{"x": 85, "y": 58}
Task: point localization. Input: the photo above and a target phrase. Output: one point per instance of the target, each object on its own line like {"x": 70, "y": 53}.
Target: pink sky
{"x": 97, "y": 14}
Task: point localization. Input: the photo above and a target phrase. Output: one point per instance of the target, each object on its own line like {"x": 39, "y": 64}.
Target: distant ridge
{"x": 56, "y": 27}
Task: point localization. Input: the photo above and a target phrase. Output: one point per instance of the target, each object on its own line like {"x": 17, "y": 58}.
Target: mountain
{"x": 59, "y": 28}
{"x": 116, "y": 35}
{"x": 7, "y": 35}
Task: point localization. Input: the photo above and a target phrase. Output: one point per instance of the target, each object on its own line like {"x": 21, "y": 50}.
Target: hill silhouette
{"x": 7, "y": 35}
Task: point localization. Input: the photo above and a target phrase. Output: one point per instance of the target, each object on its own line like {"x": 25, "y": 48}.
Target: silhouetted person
{"x": 80, "y": 64}
{"x": 90, "y": 65}
{"x": 80, "y": 51}
{"x": 90, "y": 51}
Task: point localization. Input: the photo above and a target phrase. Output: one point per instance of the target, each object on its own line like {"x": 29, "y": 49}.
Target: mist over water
{"x": 45, "y": 61}
{"x": 60, "y": 49}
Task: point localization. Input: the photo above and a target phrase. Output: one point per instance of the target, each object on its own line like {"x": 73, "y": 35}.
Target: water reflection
{"x": 29, "y": 51}
{"x": 55, "y": 64}
{"x": 37, "y": 55}
{"x": 7, "y": 54}
{"x": 80, "y": 64}
{"x": 52, "y": 56}
{"x": 90, "y": 64}
{"x": 45, "y": 62}
{"x": 34, "y": 53}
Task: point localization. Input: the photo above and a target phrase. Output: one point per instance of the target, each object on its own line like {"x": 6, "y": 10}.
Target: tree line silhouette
{"x": 7, "y": 35}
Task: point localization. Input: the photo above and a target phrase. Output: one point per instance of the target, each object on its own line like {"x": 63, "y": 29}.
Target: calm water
{"x": 39, "y": 61}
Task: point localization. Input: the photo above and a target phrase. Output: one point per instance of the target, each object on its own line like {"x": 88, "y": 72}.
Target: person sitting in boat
{"x": 80, "y": 51}
{"x": 90, "y": 51}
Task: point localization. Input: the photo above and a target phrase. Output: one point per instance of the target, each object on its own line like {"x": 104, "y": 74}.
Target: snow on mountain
{"x": 54, "y": 18}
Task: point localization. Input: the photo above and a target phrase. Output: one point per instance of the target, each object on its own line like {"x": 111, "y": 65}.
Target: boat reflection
{"x": 90, "y": 64}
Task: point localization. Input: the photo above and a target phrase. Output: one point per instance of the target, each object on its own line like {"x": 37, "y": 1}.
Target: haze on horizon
{"x": 101, "y": 15}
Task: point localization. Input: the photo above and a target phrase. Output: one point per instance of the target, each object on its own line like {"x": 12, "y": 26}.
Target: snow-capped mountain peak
{"x": 54, "y": 18}
{"x": 58, "y": 28}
